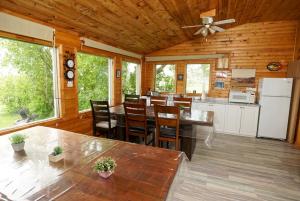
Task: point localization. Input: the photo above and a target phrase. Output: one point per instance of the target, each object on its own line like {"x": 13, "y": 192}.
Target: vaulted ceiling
{"x": 144, "y": 26}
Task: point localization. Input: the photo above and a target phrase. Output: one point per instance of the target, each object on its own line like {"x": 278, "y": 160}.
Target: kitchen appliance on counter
{"x": 236, "y": 96}
{"x": 275, "y": 98}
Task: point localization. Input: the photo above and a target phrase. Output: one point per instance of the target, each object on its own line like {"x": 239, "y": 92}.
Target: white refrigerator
{"x": 274, "y": 99}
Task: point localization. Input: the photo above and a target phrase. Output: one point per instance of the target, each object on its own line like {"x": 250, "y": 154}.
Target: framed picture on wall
{"x": 180, "y": 77}
{"x": 118, "y": 73}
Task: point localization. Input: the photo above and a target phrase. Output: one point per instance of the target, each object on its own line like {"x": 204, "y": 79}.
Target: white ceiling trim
{"x": 102, "y": 46}
{"x": 185, "y": 57}
{"x": 16, "y": 25}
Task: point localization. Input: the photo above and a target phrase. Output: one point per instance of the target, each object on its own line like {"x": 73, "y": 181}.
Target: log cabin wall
{"x": 251, "y": 45}
{"x": 297, "y": 42}
{"x": 70, "y": 118}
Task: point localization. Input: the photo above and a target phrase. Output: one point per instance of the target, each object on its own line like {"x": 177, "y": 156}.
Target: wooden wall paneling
{"x": 252, "y": 45}
{"x": 180, "y": 84}
{"x": 297, "y": 43}
{"x": 294, "y": 111}
{"x": 68, "y": 95}
{"x": 297, "y": 142}
{"x": 117, "y": 82}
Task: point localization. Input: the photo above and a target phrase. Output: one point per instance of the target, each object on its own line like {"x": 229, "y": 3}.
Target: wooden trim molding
{"x": 98, "y": 45}
{"x": 183, "y": 57}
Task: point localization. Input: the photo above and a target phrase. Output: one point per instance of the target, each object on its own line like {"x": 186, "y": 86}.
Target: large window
{"x": 130, "y": 78}
{"x": 165, "y": 78}
{"x": 197, "y": 78}
{"x": 93, "y": 79}
{"x": 27, "y": 85}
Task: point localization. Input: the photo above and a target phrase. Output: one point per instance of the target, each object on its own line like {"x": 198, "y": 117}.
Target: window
{"x": 27, "y": 86}
{"x": 197, "y": 78}
{"x": 130, "y": 78}
{"x": 93, "y": 79}
{"x": 165, "y": 78}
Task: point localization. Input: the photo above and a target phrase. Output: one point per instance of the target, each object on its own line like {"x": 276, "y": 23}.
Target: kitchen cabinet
{"x": 219, "y": 118}
{"x": 249, "y": 121}
{"x": 235, "y": 119}
{"x": 219, "y": 112}
{"x": 241, "y": 120}
{"x": 232, "y": 119}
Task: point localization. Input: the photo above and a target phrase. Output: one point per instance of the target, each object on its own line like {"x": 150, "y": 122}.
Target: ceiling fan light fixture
{"x": 204, "y": 32}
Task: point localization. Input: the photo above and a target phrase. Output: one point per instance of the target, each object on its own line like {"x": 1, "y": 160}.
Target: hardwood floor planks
{"x": 241, "y": 168}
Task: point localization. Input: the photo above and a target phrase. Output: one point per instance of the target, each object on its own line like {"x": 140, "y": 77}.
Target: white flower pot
{"x": 56, "y": 158}
{"x": 105, "y": 175}
{"x": 18, "y": 147}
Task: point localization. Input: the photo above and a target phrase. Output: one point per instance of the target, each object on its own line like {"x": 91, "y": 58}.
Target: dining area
{"x": 161, "y": 121}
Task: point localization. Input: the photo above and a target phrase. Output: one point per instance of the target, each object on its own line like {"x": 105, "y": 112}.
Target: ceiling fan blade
{"x": 199, "y": 31}
{"x": 219, "y": 29}
{"x": 186, "y": 27}
{"x": 228, "y": 21}
{"x": 212, "y": 31}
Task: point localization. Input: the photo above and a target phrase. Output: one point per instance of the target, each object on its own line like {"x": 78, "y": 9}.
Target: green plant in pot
{"x": 17, "y": 142}
{"x": 56, "y": 155}
{"x": 105, "y": 166}
{"x": 181, "y": 108}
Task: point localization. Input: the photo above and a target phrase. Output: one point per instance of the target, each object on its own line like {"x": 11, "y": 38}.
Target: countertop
{"x": 223, "y": 101}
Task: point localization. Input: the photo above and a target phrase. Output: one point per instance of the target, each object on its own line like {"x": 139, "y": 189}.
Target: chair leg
{"x": 94, "y": 131}
{"x": 168, "y": 145}
{"x": 127, "y": 137}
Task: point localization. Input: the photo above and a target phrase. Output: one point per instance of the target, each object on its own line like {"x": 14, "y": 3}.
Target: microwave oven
{"x": 241, "y": 97}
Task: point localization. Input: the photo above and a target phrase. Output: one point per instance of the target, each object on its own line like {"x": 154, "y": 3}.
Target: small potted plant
{"x": 105, "y": 167}
{"x": 56, "y": 155}
{"x": 181, "y": 108}
{"x": 17, "y": 142}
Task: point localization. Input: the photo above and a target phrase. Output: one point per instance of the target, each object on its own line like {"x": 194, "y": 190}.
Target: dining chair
{"x": 132, "y": 98}
{"x": 158, "y": 100}
{"x": 185, "y": 102}
{"x": 167, "y": 125}
{"x": 136, "y": 121}
{"x": 102, "y": 119}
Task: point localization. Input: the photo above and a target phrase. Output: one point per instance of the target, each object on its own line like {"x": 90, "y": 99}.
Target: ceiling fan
{"x": 208, "y": 25}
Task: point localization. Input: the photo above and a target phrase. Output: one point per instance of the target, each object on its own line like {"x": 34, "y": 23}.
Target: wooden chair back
{"x": 158, "y": 100}
{"x": 100, "y": 111}
{"x": 185, "y": 102}
{"x": 167, "y": 116}
{"x": 135, "y": 119}
{"x": 132, "y": 98}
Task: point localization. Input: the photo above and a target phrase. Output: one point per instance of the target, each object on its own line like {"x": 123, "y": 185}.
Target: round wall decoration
{"x": 274, "y": 66}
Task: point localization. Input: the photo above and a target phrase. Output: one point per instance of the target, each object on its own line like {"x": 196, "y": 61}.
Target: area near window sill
{"x": 28, "y": 125}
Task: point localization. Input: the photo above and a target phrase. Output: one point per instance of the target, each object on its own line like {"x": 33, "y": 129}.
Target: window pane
{"x": 129, "y": 79}
{"x": 26, "y": 83}
{"x": 165, "y": 78}
{"x": 93, "y": 79}
{"x": 197, "y": 77}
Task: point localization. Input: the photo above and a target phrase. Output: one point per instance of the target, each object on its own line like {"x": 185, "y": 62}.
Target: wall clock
{"x": 69, "y": 74}
{"x": 70, "y": 63}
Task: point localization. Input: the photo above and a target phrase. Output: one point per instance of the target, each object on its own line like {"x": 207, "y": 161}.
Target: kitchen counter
{"x": 223, "y": 101}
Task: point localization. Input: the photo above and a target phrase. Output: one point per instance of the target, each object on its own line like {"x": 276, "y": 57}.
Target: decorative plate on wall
{"x": 274, "y": 66}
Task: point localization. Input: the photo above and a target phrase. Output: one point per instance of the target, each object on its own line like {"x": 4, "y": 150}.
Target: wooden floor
{"x": 241, "y": 168}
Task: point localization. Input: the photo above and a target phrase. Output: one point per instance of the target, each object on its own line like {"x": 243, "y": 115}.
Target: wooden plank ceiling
{"x": 144, "y": 26}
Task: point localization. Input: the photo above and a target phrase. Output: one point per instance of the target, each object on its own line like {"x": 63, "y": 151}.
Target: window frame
{"x": 175, "y": 76}
{"x": 212, "y": 65}
{"x": 110, "y": 74}
{"x": 138, "y": 74}
{"x": 55, "y": 78}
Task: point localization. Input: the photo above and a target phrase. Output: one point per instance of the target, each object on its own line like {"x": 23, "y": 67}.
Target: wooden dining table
{"x": 142, "y": 172}
{"x": 189, "y": 120}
